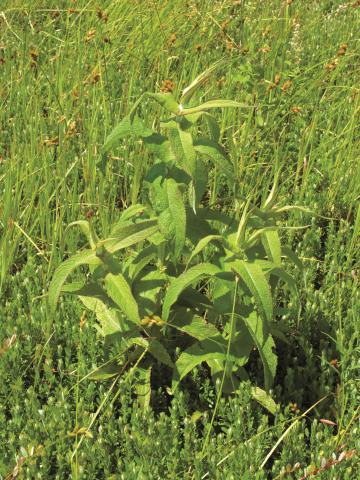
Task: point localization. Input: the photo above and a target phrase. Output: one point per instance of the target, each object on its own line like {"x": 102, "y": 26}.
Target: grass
{"x": 69, "y": 72}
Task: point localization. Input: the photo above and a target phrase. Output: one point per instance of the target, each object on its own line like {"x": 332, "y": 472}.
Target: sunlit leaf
{"x": 264, "y": 399}
{"x": 184, "y": 280}
{"x": 119, "y": 291}
{"x": 272, "y": 245}
{"x": 265, "y": 344}
{"x": 255, "y": 280}
{"x": 178, "y": 214}
{"x": 61, "y": 274}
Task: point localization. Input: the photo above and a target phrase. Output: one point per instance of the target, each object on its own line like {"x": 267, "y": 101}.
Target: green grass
{"x": 62, "y": 90}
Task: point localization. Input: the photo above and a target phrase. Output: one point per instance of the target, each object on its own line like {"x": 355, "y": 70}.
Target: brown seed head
{"x": 286, "y": 85}
{"x": 90, "y": 35}
{"x": 167, "y": 86}
{"x": 172, "y": 39}
{"x": 342, "y": 50}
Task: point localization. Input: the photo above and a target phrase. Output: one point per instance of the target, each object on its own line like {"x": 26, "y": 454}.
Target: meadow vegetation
{"x": 222, "y": 242}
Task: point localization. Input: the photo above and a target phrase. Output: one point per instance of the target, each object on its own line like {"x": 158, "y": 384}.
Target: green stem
{"x": 232, "y": 326}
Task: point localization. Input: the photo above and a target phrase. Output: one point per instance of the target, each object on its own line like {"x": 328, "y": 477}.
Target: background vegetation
{"x": 70, "y": 70}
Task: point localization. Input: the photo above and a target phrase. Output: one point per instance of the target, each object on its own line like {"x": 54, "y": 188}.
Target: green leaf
{"x": 192, "y": 298}
{"x": 264, "y": 343}
{"x": 110, "y": 369}
{"x": 196, "y": 354}
{"x": 86, "y": 257}
{"x": 188, "y": 92}
{"x": 140, "y": 261}
{"x": 290, "y": 208}
{"x": 285, "y": 277}
{"x": 271, "y": 241}
{"x": 230, "y": 384}
{"x": 87, "y": 230}
{"x": 255, "y": 280}
{"x": 143, "y": 386}
{"x": 212, "y": 104}
{"x": 183, "y": 150}
{"x": 159, "y": 146}
{"x": 148, "y": 289}
{"x": 135, "y": 210}
{"x": 264, "y": 399}
{"x": 178, "y": 214}
{"x": 203, "y": 242}
{"x": 218, "y": 156}
{"x": 194, "y": 326}
{"x": 213, "y": 125}
{"x": 90, "y": 289}
{"x": 125, "y": 236}
{"x": 215, "y": 216}
{"x": 198, "y": 185}
{"x": 256, "y": 236}
{"x": 109, "y": 318}
{"x": 291, "y": 255}
{"x": 159, "y": 352}
{"x": 119, "y": 291}
{"x": 166, "y": 100}
{"x": 184, "y": 280}
{"x": 124, "y": 129}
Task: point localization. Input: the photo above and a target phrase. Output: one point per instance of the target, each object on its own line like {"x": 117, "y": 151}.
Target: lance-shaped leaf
{"x": 143, "y": 386}
{"x": 182, "y": 147}
{"x": 265, "y": 344}
{"x": 94, "y": 297}
{"x": 159, "y": 146}
{"x": 271, "y": 242}
{"x": 125, "y": 236}
{"x": 194, "y": 326}
{"x": 291, "y": 255}
{"x": 217, "y": 154}
{"x": 188, "y": 92}
{"x": 166, "y": 100}
{"x": 213, "y": 125}
{"x": 184, "y": 280}
{"x": 115, "y": 366}
{"x": 86, "y": 257}
{"x": 290, "y": 281}
{"x": 109, "y": 370}
{"x": 214, "y": 216}
{"x": 285, "y": 277}
{"x": 196, "y": 354}
{"x": 87, "y": 229}
{"x": 178, "y": 214}
{"x": 127, "y": 127}
{"x": 203, "y": 242}
{"x": 119, "y": 291}
{"x": 86, "y": 289}
{"x": 228, "y": 381}
{"x": 212, "y": 104}
{"x": 109, "y": 318}
{"x": 135, "y": 210}
{"x": 256, "y": 282}
{"x": 159, "y": 352}
{"x": 140, "y": 261}
{"x": 264, "y": 399}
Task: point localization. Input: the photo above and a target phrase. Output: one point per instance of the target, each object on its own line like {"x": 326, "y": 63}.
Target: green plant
{"x": 177, "y": 281}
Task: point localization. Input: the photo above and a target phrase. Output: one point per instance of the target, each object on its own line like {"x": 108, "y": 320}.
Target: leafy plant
{"x": 177, "y": 281}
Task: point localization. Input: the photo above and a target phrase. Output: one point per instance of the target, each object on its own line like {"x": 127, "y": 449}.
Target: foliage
{"x": 70, "y": 73}
{"x": 177, "y": 281}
